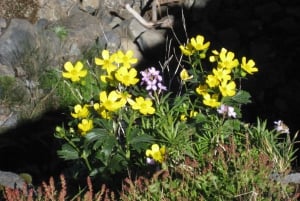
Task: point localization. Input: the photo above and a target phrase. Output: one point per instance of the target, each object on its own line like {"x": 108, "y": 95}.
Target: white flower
{"x": 227, "y": 111}
{"x": 281, "y": 127}
{"x": 231, "y": 112}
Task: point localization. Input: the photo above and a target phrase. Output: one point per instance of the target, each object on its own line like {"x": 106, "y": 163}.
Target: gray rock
{"x": 55, "y": 10}
{"x": 290, "y": 178}
{"x": 90, "y": 6}
{"x": 3, "y": 23}
{"x": 82, "y": 33}
{"x": 135, "y": 29}
{"x": 11, "y": 180}
{"x": 19, "y": 36}
{"x": 110, "y": 40}
{"x": 151, "y": 39}
{"x": 8, "y": 118}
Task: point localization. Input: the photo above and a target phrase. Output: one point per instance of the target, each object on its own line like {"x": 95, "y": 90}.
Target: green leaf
{"x": 68, "y": 152}
{"x": 108, "y": 145}
{"x": 142, "y": 138}
{"x": 139, "y": 142}
{"x": 95, "y": 134}
{"x": 117, "y": 163}
{"x": 242, "y": 97}
{"x": 104, "y": 147}
{"x": 232, "y": 124}
{"x": 96, "y": 137}
{"x": 201, "y": 118}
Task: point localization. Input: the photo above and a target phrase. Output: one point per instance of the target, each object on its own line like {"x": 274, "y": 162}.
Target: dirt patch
{"x": 26, "y": 9}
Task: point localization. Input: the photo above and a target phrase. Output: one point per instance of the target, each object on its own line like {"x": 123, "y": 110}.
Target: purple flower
{"x": 150, "y": 161}
{"x": 162, "y": 87}
{"x": 153, "y": 80}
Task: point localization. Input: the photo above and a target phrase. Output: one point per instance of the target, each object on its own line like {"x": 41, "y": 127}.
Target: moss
{"x": 61, "y": 32}
{"x": 52, "y": 82}
{"x": 6, "y": 85}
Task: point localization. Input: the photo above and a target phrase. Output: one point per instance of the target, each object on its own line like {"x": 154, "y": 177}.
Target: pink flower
{"x": 227, "y": 111}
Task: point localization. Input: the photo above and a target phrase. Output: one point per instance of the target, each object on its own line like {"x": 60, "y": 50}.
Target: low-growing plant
{"x": 60, "y": 31}
{"x": 54, "y": 191}
{"x": 127, "y": 121}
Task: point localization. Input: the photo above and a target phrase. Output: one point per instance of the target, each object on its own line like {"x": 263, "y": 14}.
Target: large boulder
{"x": 29, "y": 50}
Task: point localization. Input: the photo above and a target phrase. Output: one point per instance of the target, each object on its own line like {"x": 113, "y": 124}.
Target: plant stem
{"x": 84, "y": 157}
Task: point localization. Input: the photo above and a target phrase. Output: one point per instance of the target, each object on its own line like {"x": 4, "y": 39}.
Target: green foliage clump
{"x": 61, "y": 32}
{"x": 51, "y": 83}
{"x": 6, "y": 86}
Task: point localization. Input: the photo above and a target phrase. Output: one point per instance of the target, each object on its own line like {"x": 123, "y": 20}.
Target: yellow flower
{"x": 107, "y": 61}
{"x": 74, "y": 72}
{"x": 124, "y": 97}
{"x": 212, "y": 81}
{"x": 80, "y": 112}
{"x": 126, "y": 59}
{"x": 183, "y": 117}
{"x": 107, "y": 78}
{"x": 227, "y": 59}
{"x": 228, "y": 89}
{"x": 187, "y": 50}
{"x": 202, "y": 89}
{"x": 211, "y": 101}
{"x": 85, "y": 126}
{"x": 143, "y": 105}
{"x": 249, "y": 66}
{"x": 222, "y": 74}
{"x": 184, "y": 75}
{"x": 158, "y": 154}
{"x": 112, "y": 101}
{"x": 126, "y": 76}
{"x": 193, "y": 113}
{"x": 215, "y": 57}
{"x": 102, "y": 111}
{"x": 198, "y": 43}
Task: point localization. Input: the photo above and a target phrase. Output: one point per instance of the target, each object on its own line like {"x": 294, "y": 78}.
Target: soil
{"x": 19, "y": 9}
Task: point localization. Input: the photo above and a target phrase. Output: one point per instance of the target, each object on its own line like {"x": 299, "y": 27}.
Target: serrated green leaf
{"x": 139, "y": 142}
{"x": 242, "y": 97}
{"x": 141, "y": 138}
{"x": 68, "y": 152}
{"x": 95, "y": 134}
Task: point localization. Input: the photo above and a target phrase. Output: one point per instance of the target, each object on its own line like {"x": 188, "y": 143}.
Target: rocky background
{"x": 37, "y": 36}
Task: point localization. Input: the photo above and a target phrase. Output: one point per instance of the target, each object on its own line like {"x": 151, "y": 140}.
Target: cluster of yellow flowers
{"x": 118, "y": 73}
{"x": 220, "y": 83}
{"x": 118, "y": 67}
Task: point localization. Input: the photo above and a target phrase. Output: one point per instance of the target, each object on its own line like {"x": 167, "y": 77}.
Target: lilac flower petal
{"x": 161, "y": 86}
{"x": 150, "y": 161}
